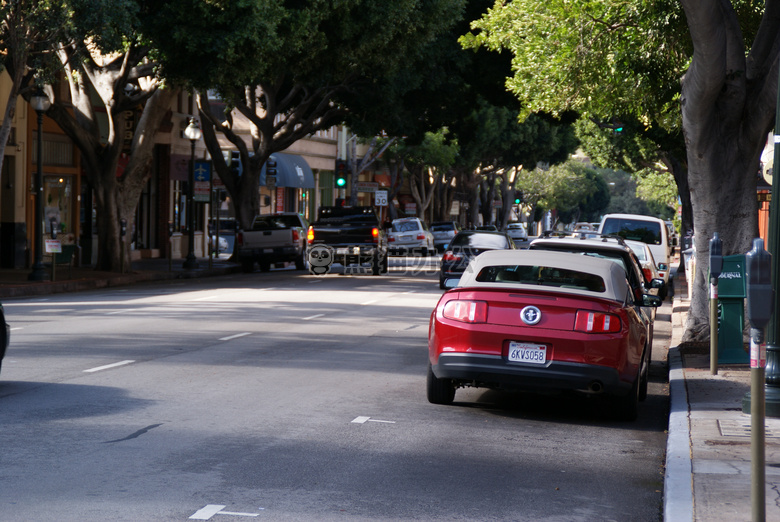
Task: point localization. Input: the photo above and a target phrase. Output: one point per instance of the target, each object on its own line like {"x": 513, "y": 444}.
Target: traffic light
{"x": 270, "y": 167}
{"x": 340, "y": 177}
{"x": 517, "y": 201}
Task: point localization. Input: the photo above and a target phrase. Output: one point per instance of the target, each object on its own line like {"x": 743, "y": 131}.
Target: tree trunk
{"x": 727, "y": 110}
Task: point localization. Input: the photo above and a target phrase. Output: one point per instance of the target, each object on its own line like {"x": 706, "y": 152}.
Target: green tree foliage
{"x": 564, "y": 188}
{"x": 607, "y": 60}
{"x": 292, "y": 68}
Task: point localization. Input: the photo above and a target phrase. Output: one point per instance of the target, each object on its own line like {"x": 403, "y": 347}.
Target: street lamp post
{"x": 192, "y": 133}
{"x": 40, "y": 103}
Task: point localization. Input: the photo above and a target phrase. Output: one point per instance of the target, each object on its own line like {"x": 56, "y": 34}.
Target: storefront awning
{"x": 291, "y": 171}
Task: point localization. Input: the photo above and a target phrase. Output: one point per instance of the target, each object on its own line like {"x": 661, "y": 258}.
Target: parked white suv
{"x": 646, "y": 229}
{"x": 410, "y": 235}
{"x": 517, "y": 231}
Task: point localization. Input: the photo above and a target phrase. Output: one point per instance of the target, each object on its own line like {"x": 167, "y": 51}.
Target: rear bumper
{"x": 491, "y": 371}
{"x": 287, "y": 253}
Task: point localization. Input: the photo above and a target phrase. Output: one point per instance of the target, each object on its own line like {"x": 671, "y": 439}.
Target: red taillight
{"x": 375, "y": 234}
{"x": 648, "y": 274}
{"x": 450, "y": 256}
{"x": 466, "y": 311}
{"x": 391, "y": 239}
{"x": 420, "y": 236}
{"x": 296, "y": 235}
{"x": 310, "y": 235}
{"x": 596, "y": 322}
{"x": 240, "y": 239}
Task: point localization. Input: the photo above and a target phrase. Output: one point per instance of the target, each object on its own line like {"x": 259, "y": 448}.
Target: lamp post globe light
{"x": 40, "y": 103}
{"x": 192, "y": 133}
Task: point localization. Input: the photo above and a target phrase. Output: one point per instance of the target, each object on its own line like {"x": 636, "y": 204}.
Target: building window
{"x": 57, "y": 150}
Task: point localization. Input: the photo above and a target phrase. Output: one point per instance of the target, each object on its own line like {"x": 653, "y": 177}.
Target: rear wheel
{"x": 440, "y": 391}
{"x": 627, "y": 406}
{"x": 248, "y": 265}
{"x": 265, "y": 266}
{"x": 300, "y": 262}
{"x": 376, "y": 265}
{"x": 644, "y": 376}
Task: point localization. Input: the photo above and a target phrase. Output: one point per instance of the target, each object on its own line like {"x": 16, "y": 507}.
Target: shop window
{"x": 58, "y": 203}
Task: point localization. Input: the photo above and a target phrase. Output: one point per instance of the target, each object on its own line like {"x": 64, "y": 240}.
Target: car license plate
{"x": 527, "y": 353}
{"x": 342, "y": 251}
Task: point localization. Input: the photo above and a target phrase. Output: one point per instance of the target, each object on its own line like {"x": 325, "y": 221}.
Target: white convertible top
{"x": 592, "y": 269}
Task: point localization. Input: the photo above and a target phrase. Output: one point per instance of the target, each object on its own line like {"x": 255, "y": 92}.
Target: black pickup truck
{"x": 354, "y": 234}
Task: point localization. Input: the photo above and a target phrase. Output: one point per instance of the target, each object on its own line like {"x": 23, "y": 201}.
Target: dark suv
{"x": 467, "y": 245}
{"x": 443, "y": 232}
{"x": 609, "y": 247}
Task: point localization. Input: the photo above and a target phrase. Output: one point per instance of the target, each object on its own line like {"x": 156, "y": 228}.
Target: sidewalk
{"x": 15, "y": 283}
{"x": 708, "y": 462}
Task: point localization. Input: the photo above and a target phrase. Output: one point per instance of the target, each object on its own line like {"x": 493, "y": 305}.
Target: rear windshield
{"x": 275, "y": 222}
{"x": 541, "y": 275}
{"x": 635, "y": 229}
{"x": 442, "y": 227}
{"x": 481, "y": 241}
{"x": 406, "y": 226}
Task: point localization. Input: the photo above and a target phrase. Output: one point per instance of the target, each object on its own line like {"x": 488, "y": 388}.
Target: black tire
{"x": 247, "y": 265}
{"x": 441, "y": 284}
{"x": 440, "y": 391}
{"x": 644, "y": 375}
{"x": 300, "y": 262}
{"x": 265, "y": 266}
{"x": 376, "y": 265}
{"x": 385, "y": 264}
{"x": 627, "y": 406}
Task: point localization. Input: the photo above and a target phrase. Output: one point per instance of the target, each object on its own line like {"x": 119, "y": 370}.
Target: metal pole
{"x": 757, "y": 435}
{"x": 191, "y": 261}
{"x": 38, "y": 270}
{"x": 714, "y": 326}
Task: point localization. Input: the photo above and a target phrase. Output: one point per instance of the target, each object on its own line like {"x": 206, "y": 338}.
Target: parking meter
{"x": 760, "y": 304}
{"x": 716, "y": 257}
{"x": 53, "y": 223}
{"x": 716, "y": 267}
{"x": 760, "y": 296}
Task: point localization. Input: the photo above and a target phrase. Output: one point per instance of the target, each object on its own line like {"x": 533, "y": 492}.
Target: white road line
{"x": 207, "y": 512}
{"x": 107, "y": 366}
{"x": 313, "y": 317}
{"x": 369, "y": 302}
{"x": 363, "y": 420}
{"x": 17, "y": 328}
{"x": 230, "y": 337}
{"x": 205, "y": 298}
{"x": 114, "y": 313}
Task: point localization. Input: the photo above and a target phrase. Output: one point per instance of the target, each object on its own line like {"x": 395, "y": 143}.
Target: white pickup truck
{"x": 273, "y": 238}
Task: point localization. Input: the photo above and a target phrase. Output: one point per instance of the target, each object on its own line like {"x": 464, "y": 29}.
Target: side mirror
{"x": 663, "y": 267}
{"x": 651, "y": 300}
{"x": 451, "y": 283}
{"x": 657, "y": 282}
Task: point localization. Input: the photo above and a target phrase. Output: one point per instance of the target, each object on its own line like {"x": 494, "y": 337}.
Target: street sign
{"x": 380, "y": 198}
{"x": 53, "y": 246}
{"x": 202, "y": 188}
{"x": 366, "y": 186}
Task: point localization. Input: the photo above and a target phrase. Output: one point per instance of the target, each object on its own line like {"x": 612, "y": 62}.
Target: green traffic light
{"x": 340, "y": 182}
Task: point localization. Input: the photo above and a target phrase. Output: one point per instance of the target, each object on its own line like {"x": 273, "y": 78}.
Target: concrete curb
{"x": 678, "y": 479}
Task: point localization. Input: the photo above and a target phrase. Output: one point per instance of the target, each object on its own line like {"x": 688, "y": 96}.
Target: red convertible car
{"x": 542, "y": 321}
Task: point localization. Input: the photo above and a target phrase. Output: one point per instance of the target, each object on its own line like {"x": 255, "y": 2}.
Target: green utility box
{"x": 731, "y": 315}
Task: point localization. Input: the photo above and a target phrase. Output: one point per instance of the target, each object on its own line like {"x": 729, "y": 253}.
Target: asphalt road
{"x": 283, "y": 396}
